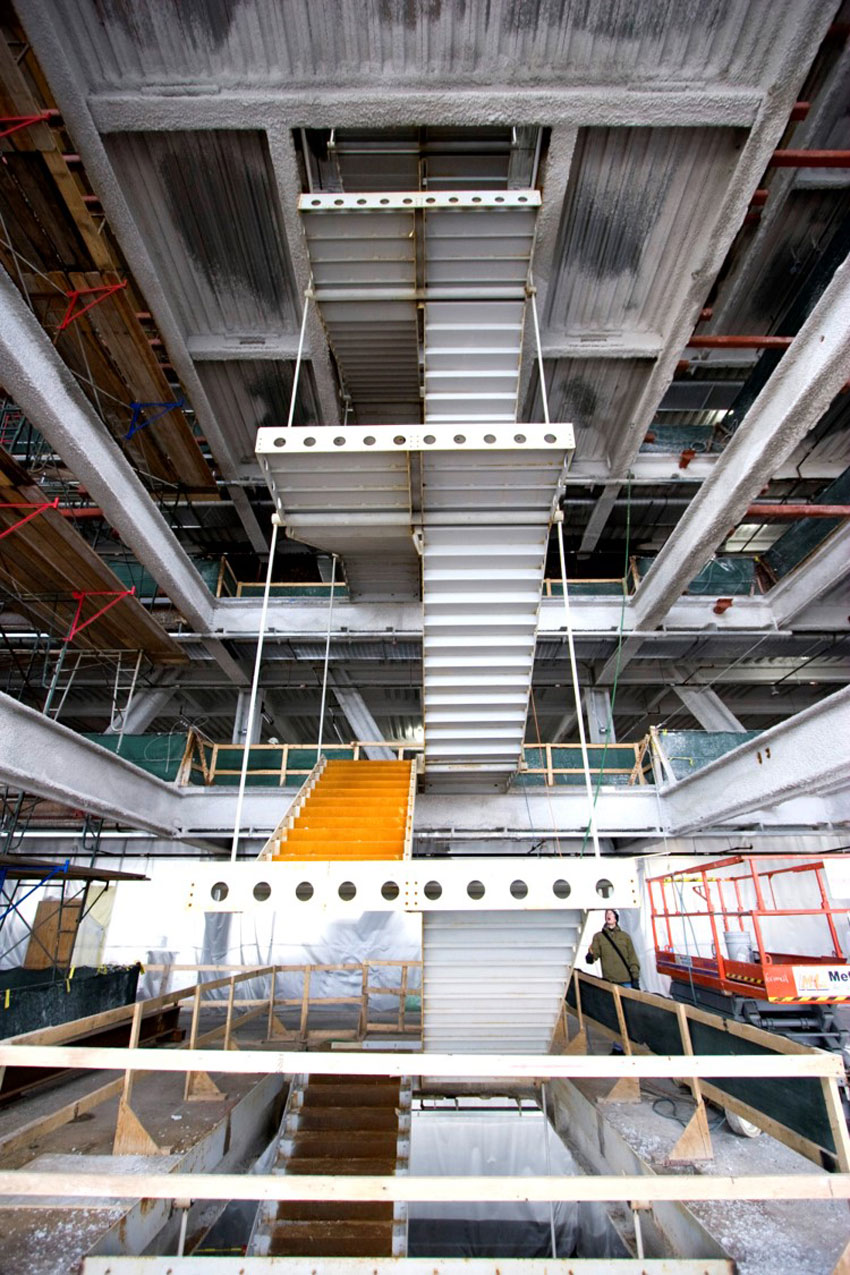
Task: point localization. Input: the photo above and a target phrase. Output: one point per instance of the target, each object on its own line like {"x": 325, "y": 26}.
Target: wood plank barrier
{"x": 800, "y": 1108}
{"x": 405, "y": 1020}
{"x": 130, "y": 1135}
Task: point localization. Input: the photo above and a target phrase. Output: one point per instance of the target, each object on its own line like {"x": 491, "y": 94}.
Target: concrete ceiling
{"x": 648, "y": 129}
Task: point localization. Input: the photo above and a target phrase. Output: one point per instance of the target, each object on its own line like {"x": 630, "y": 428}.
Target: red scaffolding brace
{"x": 34, "y": 511}
{"x": 80, "y": 599}
{"x": 100, "y": 293}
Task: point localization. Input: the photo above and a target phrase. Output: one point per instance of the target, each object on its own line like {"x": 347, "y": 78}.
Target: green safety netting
{"x": 617, "y": 765}
{"x": 723, "y": 576}
{"x": 160, "y": 755}
{"x": 689, "y": 750}
{"x": 586, "y": 588}
{"x": 134, "y": 574}
{"x": 679, "y": 438}
{"x": 807, "y": 533}
{"x": 255, "y": 590}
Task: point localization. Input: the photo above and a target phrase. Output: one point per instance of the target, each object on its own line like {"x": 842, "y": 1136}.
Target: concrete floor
{"x": 764, "y": 1237}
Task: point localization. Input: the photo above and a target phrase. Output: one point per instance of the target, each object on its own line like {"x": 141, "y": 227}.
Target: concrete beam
{"x": 41, "y": 757}
{"x": 815, "y": 576}
{"x": 795, "y": 398}
{"x": 651, "y": 468}
{"x": 808, "y": 754}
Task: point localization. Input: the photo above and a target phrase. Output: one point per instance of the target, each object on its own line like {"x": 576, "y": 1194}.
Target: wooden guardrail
{"x": 280, "y": 765}
{"x": 800, "y": 1108}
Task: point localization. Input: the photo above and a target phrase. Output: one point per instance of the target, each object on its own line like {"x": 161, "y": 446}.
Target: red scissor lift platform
{"x": 719, "y": 927}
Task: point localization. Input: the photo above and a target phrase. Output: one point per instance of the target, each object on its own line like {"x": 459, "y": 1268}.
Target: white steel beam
{"x": 598, "y": 518}
{"x": 815, "y": 576}
{"x": 39, "y": 756}
{"x": 288, "y": 179}
{"x": 356, "y": 710}
{"x": 483, "y": 887}
{"x": 585, "y": 106}
{"x": 145, "y": 705}
{"x": 66, "y": 85}
{"x": 707, "y": 707}
{"x": 811, "y": 373}
{"x": 794, "y": 56}
{"x": 554, "y": 181}
{"x": 42, "y": 386}
{"x": 597, "y": 707}
{"x": 809, "y": 753}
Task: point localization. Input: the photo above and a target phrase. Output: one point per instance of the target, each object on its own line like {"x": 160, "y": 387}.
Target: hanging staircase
{"x": 495, "y": 982}
{"x": 351, "y": 810}
{"x": 341, "y": 1126}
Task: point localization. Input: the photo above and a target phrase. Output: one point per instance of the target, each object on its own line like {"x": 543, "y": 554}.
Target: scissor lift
{"x": 718, "y": 931}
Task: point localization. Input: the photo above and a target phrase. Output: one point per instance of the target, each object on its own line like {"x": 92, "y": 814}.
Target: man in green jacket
{"x": 614, "y": 948}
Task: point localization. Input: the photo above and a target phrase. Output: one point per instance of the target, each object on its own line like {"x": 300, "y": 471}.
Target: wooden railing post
{"x": 695, "y": 1141}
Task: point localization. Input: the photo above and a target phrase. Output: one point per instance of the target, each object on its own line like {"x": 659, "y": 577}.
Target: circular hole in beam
{"x": 304, "y": 891}
{"x": 389, "y": 891}
{"x": 347, "y": 891}
{"x": 219, "y": 892}
{"x": 604, "y": 888}
{"x": 262, "y": 891}
{"x": 475, "y": 889}
{"x": 561, "y": 889}
{"x": 432, "y": 890}
{"x": 519, "y": 889}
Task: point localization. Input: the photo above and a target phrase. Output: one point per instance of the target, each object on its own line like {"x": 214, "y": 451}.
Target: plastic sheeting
{"x": 477, "y": 1141}
{"x": 150, "y": 923}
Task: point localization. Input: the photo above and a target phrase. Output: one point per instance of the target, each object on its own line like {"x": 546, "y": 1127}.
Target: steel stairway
{"x": 349, "y": 810}
{"x": 462, "y": 501}
{"x": 338, "y": 1125}
{"x": 495, "y": 982}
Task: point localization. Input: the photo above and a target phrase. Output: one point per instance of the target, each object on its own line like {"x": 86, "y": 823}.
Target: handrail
{"x": 291, "y": 768}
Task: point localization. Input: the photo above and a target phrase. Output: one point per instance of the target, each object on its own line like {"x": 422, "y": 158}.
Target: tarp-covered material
{"x": 477, "y": 1141}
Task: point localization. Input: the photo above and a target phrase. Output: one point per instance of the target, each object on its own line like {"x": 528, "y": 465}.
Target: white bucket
{"x": 737, "y": 944}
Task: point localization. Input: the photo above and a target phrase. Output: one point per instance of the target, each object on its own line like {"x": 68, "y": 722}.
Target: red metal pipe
{"x": 798, "y": 511}
{"x": 759, "y": 198}
{"x": 810, "y": 159}
{"x": 89, "y": 511}
{"x": 800, "y": 110}
{"x": 741, "y": 342}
